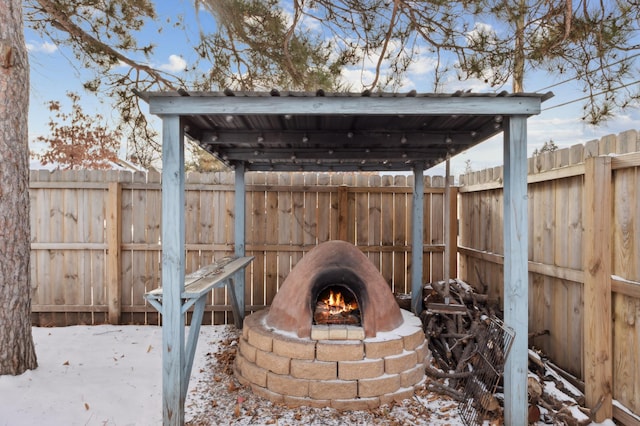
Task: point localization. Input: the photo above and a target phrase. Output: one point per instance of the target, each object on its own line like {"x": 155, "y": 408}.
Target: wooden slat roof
{"x": 307, "y": 131}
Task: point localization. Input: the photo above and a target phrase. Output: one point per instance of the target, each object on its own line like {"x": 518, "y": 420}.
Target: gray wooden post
{"x": 239, "y": 229}
{"x": 173, "y": 264}
{"x": 516, "y": 280}
{"x": 417, "y": 225}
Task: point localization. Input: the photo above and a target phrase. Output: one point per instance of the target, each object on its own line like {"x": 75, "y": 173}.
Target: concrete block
{"x": 413, "y": 340}
{"x": 272, "y": 362}
{"x": 287, "y": 385}
{"x": 314, "y": 370}
{"x": 327, "y": 350}
{"x": 320, "y": 332}
{"x": 412, "y": 376}
{"x": 355, "y": 404}
{"x": 267, "y": 394}
{"x": 397, "y": 396}
{"x": 383, "y": 348}
{"x": 251, "y": 372}
{"x": 293, "y": 347}
{"x": 365, "y": 369}
{"x": 296, "y": 401}
{"x": 338, "y": 389}
{"x": 355, "y": 333}
{"x": 387, "y": 384}
{"x": 337, "y": 332}
{"x": 260, "y": 338}
{"x": 396, "y": 364}
{"x": 247, "y": 351}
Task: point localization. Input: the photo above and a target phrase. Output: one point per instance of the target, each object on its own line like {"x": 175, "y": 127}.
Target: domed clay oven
{"x": 333, "y": 336}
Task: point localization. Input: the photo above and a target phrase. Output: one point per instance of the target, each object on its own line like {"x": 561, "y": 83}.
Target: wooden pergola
{"x": 292, "y": 131}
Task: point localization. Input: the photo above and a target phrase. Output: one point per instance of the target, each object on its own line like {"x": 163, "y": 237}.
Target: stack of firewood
{"x": 455, "y": 320}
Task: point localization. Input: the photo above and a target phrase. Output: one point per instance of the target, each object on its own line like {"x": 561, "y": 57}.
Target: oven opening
{"x": 337, "y": 304}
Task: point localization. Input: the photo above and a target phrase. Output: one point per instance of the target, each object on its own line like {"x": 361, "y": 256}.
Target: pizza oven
{"x": 333, "y": 336}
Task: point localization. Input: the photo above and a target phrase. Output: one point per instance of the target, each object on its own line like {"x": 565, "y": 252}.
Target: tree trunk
{"x": 17, "y": 352}
{"x": 518, "y": 53}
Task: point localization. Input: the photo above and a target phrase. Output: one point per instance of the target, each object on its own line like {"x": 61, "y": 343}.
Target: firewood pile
{"x": 469, "y": 345}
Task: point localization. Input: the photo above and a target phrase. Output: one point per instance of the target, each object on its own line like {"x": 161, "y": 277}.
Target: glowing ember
{"x": 336, "y": 308}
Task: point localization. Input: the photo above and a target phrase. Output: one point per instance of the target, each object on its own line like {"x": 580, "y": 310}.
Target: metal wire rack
{"x": 487, "y": 366}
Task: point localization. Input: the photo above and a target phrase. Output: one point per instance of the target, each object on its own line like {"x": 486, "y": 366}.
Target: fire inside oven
{"x": 337, "y": 304}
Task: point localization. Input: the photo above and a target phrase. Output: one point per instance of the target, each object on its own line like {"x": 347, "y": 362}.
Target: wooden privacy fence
{"x": 96, "y": 245}
{"x": 584, "y": 267}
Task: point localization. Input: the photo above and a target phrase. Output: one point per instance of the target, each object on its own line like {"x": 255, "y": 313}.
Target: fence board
{"x": 325, "y": 214}
{"x": 626, "y": 310}
{"x": 271, "y": 265}
{"x": 426, "y": 231}
{"x": 557, "y": 300}
{"x": 69, "y": 238}
{"x": 386, "y": 214}
{"x": 375, "y": 220}
{"x": 437, "y": 228}
{"x": 153, "y": 220}
{"x": 138, "y": 235}
{"x": 310, "y": 210}
{"x": 258, "y": 227}
{"x": 400, "y": 238}
{"x": 297, "y": 225}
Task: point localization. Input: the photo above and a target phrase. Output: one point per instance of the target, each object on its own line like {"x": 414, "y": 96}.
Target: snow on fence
{"x": 96, "y": 245}
{"x": 584, "y": 259}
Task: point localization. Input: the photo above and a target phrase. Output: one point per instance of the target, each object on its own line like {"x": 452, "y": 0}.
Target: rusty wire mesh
{"x": 487, "y": 366}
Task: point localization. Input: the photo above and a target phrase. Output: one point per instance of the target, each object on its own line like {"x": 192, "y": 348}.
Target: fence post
{"x": 114, "y": 233}
{"x": 452, "y": 211}
{"x": 596, "y": 261}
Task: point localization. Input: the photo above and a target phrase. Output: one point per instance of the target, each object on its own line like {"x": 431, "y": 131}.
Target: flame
{"x": 337, "y": 304}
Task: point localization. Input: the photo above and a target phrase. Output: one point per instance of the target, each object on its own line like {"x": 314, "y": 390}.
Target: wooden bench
{"x": 197, "y": 286}
{"x": 199, "y": 283}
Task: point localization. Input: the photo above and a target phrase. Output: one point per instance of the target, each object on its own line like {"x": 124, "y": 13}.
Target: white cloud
{"x": 44, "y": 47}
{"x": 481, "y": 31}
{"x": 176, "y": 64}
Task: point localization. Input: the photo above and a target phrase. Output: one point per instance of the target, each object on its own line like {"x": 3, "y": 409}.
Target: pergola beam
{"x": 339, "y": 105}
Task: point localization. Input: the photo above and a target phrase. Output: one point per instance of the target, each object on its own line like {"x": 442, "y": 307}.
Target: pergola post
{"x": 237, "y": 290}
{"x": 417, "y": 225}
{"x": 516, "y": 288}
{"x": 173, "y": 269}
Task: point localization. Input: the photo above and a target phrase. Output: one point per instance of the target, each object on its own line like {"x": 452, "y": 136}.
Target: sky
{"x": 54, "y": 72}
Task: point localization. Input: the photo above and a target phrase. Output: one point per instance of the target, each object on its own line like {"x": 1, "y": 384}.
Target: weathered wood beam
{"x": 516, "y": 291}
{"x": 173, "y": 271}
{"x": 194, "y": 105}
{"x": 417, "y": 232}
{"x": 313, "y": 137}
{"x": 238, "y": 283}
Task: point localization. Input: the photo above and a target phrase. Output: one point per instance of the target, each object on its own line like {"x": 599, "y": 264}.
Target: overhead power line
{"x": 590, "y": 96}
{"x": 590, "y": 72}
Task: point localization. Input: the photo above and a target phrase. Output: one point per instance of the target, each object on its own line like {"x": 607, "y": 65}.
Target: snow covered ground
{"x": 93, "y": 375}
{"x": 111, "y": 375}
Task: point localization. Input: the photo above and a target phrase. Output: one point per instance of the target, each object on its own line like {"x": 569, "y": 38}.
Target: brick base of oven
{"x": 343, "y": 374}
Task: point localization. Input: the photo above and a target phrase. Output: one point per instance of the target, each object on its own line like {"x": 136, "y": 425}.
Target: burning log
{"x": 333, "y": 308}
{"x": 324, "y": 314}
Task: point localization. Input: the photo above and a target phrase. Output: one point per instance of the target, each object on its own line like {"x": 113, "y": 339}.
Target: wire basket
{"x": 487, "y": 366}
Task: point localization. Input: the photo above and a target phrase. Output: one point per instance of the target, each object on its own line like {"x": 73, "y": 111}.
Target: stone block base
{"x": 343, "y": 374}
